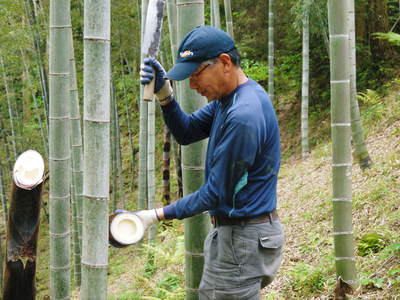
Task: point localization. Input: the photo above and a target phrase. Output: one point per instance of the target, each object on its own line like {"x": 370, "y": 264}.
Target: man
{"x": 243, "y": 250}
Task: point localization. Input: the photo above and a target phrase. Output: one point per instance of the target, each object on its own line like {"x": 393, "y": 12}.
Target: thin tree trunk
{"x": 10, "y": 114}
{"x": 271, "y": 90}
{"x": 305, "y": 148}
{"x": 59, "y": 149}
{"x": 143, "y": 108}
{"x": 96, "y": 149}
{"x": 190, "y": 15}
{"x": 361, "y": 152}
{"x": 341, "y": 147}
{"x": 76, "y": 163}
{"x": 228, "y": 17}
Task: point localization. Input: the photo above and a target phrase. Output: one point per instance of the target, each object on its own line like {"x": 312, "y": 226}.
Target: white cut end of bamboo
{"x": 126, "y": 228}
{"x": 28, "y": 170}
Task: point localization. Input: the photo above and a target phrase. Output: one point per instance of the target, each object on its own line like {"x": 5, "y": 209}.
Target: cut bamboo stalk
{"x": 23, "y": 227}
{"x": 125, "y": 229}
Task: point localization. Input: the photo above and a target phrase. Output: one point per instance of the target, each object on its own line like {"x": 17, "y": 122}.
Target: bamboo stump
{"x": 23, "y": 227}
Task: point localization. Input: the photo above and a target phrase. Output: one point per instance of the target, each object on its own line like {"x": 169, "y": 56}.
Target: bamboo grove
{"x": 71, "y": 91}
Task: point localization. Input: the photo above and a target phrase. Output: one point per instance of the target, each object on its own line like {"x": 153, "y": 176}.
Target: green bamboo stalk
{"x": 113, "y": 155}
{"x": 190, "y": 15}
{"x": 3, "y": 198}
{"x": 10, "y": 114}
{"x": 271, "y": 90}
{"x": 173, "y": 27}
{"x": 120, "y": 185}
{"x": 76, "y": 163}
{"x": 151, "y": 188}
{"x": 128, "y": 119}
{"x": 59, "y": 149}
{"x": 228, "y": 17}
{"x": 341, "y": 147}
{"x": 32, "y": 16}
{"x": 361, "y": 152}
{"x": 305, "y": 148}
{"x": 216, "y": 14}
{"x": 43, "y": 127}
{"x": 96, "y": 149}
{"x": 143, "y": 108}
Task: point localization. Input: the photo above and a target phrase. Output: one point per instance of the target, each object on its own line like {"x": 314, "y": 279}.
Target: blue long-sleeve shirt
{"x": 243, "y": 154}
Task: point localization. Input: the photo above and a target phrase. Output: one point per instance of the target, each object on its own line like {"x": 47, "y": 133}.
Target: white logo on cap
{"x": 186, "y": 53}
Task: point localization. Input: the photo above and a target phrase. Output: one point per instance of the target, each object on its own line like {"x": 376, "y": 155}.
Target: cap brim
{"x": 182, "y": 70}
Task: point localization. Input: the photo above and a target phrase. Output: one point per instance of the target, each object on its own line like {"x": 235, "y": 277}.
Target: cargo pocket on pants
{"x": 271, "y": 249}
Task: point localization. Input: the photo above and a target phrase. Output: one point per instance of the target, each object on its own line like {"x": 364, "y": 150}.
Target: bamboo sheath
{"x": 22, "y": 234}
{"x": 341, "y": 147}
{"x": 190, "y": 15}
{"x": 59, "y": 149}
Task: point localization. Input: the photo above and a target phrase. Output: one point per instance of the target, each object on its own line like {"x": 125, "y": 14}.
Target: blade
{"x": 152, "y": 31}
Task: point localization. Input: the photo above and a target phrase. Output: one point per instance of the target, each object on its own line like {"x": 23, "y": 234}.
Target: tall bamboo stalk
{"x": 32, "y": 16}
{"x": 120, "y": 184}
{"x": 271, "y": 90}
{"x": 10, "y": 114}
{"x": 305, "y": 148}
{"x": 361, "y": 152}
{"x": 228, "y": 17}
{"x": 3, "y": 197}
{"x": 59, "y": 149}
{"x": 77, "y": 164}
{"x": 143, "y": 108}
{"x": 43, "y": 127}
{"x": 96, "y": 149}
{"x": 341, "y": 147}
{"x": 216, "y": 14}
{"x": 173, "y": 27}
{"x": 151, "y": 147}
{"x": 190, "y": 15}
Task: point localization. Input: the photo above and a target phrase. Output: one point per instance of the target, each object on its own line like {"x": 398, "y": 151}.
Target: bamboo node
{"x": 60, "y": 26}
{"x": 340, "y": 124}
{"x": 60, "y": 235}
{"x": 189, "y": 253}
{"x": 189, "y": 3}
{"x": 343, "y": 199}
{"x": 96, "y": 266}
{"x": 96, "y": 38}
{"x": 66, "y": 267}
{"x": 345, "y": 258}
{"x": 343, "y": 232}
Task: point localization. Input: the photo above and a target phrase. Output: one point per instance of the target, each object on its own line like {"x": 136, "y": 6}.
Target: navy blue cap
{"x": 201, "y": 44}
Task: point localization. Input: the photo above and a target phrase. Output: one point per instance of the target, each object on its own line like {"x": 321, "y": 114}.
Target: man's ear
{"x": 226, "y": 61}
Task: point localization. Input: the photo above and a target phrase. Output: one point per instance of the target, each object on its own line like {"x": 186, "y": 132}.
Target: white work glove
{"x": 148, "y": 217}
{"x": 150, "y": 68}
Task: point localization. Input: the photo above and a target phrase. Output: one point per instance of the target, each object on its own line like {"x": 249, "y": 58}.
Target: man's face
{"x": 208, "y": 81}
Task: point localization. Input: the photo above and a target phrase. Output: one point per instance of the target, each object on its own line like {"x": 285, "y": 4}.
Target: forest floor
{"x": 308, "y": 272}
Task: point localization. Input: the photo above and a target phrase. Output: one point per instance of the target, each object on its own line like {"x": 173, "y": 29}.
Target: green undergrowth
{"x": 156, "y": 271}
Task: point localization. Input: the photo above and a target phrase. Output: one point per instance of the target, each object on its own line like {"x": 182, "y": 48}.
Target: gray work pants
{"x": 240, "y": 260}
